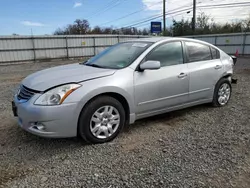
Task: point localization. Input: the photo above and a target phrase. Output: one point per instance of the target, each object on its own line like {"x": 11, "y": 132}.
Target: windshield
{"x": 118, "y": 56}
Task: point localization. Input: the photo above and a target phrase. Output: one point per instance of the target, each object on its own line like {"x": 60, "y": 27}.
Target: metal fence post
{"x": 118, "y": 38}
{"x": 244, "y": 44}
{"x": 34, "y": 48}
{"x": 67, "y": 47}
{"x": 94, "y": 45}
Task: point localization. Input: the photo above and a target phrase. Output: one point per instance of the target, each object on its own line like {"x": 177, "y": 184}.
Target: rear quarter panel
{"x": 227, "y": 62}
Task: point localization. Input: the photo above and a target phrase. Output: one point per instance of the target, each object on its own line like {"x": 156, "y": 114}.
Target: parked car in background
{"x": 124, "y": 83}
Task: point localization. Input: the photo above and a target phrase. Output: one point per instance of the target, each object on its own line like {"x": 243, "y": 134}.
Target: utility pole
{"x": 164, "y": 17}
{"x": 194, "y": 16}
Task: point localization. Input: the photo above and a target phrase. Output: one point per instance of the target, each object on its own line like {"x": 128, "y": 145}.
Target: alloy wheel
{"x": 224, "y": 94}
{"x": 104, "y": 122}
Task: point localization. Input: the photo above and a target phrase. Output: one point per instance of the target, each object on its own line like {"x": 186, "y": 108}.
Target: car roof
{"x": 151, "y": 39}
{"x": 159, "y": 39}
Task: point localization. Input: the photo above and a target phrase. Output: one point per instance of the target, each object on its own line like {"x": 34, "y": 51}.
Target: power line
{"x": 226, "y": 5}
{"x": 156, "y": 3}
{"x": 216, "y": 17}
{"x": 158, "y": 16}
{"x": 111, "y": 4}
{"x": 223, "y": 17}
{"x": 105, "y": 6}
{"x": 157, "y": 20}
{"x": 155, "y": 16}
{"x": 147, "y": 23}
{"x": 145, "y": 20}
{"x": 168, "y": 16}
{"x": 125, "y": 16}
{"x": 189, "y": 4}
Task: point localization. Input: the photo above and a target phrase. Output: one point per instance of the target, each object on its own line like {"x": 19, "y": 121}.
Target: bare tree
{"x": 246, "y": 24}
{"x": 96, "y": 30}
{"x": 202, "y": 21}
{"x": 81, "y": 26}
{"x": 59, "y": 31}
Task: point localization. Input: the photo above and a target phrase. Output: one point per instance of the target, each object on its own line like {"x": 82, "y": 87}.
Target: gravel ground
{"x": 196, "y": 147}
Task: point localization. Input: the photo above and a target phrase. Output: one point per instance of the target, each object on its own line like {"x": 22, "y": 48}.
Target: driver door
{"x": 158, "y": 90}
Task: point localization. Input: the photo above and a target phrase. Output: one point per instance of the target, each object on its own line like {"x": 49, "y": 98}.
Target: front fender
{"x": 121, "y": 84}
{"x": 109, "y": 89}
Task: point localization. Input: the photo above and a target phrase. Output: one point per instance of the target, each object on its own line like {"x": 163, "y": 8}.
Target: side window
{"x": 168, "y": 54}
{"x": 198, "y": 52}
{"x": 215, "y": 53}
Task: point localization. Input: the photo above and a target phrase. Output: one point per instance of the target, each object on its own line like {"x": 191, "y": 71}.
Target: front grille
{"x": 25, "y": 93}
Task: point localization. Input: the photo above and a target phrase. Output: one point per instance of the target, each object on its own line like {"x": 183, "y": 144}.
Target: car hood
{"x": 74, "y": 73}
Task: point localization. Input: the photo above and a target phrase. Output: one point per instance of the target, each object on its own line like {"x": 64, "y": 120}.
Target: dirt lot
{"x": 196, "y": 147}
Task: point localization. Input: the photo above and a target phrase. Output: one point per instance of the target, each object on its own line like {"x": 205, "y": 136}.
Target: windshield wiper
{"x": 82, "y": 63}
{"x": 94, "y": 65}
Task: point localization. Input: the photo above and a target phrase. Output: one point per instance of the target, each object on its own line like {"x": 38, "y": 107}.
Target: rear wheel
{"x": 101, "y": 120}
{"x": 222, "y": 93}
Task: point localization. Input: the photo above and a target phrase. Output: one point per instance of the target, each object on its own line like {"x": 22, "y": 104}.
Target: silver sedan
{"x": 124, "y": 83}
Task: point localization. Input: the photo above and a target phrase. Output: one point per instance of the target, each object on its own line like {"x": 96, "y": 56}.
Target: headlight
{"x": 56, "y": 95}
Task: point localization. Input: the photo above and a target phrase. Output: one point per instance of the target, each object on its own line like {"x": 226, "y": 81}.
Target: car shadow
{"x": 30, "y": 146}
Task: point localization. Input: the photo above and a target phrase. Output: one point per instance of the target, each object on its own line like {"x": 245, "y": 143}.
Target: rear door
{"x": 205, "y": 69}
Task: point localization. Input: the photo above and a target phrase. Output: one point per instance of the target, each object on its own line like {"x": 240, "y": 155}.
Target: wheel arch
{"x": 226, "y": 75}
{"x": 118, "y": 96}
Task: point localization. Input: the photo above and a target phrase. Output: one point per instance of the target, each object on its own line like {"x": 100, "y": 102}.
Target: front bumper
{"x": 58, "y": 121}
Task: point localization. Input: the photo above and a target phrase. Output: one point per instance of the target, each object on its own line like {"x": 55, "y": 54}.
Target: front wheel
{"x": 222, "y": 93}
{"x": 101, "y": 120}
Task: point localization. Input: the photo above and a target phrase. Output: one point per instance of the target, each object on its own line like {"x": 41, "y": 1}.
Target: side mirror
{"x": 150, "y": 65}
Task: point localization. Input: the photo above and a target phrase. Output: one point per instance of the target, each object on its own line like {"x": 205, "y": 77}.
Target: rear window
{"x": 198, "y": 52}
{"x": 215, "y": 53}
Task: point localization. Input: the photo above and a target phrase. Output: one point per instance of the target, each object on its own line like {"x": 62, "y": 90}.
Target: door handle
{"x": 182, "y": 75}
{"x": 218, "y": 67}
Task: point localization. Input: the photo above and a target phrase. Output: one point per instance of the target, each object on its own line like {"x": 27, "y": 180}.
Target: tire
{"x": 96, "y": 117}
{"x": 216, "y": 98}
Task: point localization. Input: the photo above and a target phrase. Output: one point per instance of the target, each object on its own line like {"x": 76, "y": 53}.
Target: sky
{"x": 45, "y": 16}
